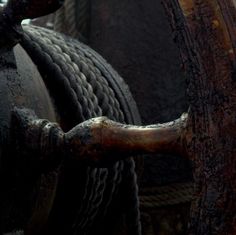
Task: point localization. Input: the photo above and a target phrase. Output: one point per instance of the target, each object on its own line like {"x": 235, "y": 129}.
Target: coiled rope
{"x": 131, "y": 190}
{"x": 173, "y": 194}
{"x": 78, "y": 75}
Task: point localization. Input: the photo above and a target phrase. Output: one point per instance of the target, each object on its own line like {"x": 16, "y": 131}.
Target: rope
{"x": 95, "y": 198}
{"x": 130, "y": 193}
{"x": 87, "y": 88}
{"x": 84, "y": 83}
{"x": 82, "y": 97}
{"x": 166, "y": 195}
{"x": 114, "y": 176}
{"x": 98, "y": 191}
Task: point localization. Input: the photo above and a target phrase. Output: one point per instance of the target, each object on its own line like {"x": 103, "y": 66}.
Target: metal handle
{"x": 98, "y": 141}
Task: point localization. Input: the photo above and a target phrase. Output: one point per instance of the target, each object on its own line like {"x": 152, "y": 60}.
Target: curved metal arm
{"x": 99, "y": 138}
{"x": 98, "y": 141}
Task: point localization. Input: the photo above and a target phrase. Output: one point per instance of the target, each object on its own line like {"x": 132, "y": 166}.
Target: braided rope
{"x": 48, "y": 55}
{"x": 87, "y": 198}
{"x": 115, "y": 176}
{"x": 85, "y": 211}
{"x": 166, "y": 195}
{"x": 132, "y": 202}
{"x": 132, "y": 180}
{"x": 95, "y": 79}
{"x": 131, "y": 116}
{"x": 90, "y": 83}
{"x": 99, "y": 192}
{"x": 90, "y": 175}
{"x": 59, "y": 73}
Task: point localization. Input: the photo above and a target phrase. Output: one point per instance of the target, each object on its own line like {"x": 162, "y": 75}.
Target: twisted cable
{"x": 89, "y": 94}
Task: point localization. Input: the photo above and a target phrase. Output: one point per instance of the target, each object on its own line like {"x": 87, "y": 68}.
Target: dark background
{"x": 135, "y": 37}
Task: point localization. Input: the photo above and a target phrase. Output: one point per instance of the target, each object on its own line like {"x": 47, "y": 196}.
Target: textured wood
{"x": 206, "y": 40}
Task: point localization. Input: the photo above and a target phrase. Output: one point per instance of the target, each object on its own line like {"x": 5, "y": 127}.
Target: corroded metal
{"x": 94, "y": 140}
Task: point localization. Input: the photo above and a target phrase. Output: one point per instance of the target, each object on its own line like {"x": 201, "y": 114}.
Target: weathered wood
{"x": 205, "y": 33}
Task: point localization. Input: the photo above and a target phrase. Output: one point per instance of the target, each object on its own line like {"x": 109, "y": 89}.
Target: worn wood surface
{"x": 206, "y": 39}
